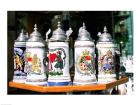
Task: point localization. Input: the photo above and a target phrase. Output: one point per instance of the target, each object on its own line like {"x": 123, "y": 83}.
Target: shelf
{"x": 122, "y": 17}
{"x": 47, "y": 89}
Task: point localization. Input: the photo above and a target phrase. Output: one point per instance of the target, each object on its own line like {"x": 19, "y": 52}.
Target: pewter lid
{"x": 84, "y": 34}
{"x": 22, "y": 37}
{"x": 105, "y": 37}
{"x": 35, "y": 35}
{"x": 58, "y": 34}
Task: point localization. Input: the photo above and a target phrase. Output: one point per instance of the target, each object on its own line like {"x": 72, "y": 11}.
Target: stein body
{"x": 19, "y": 58}
{"x": 35, "y": 59}
{"x": 58, "y": 64}
{"x": 106, "y": 55}
{"x": 84, "y": 59}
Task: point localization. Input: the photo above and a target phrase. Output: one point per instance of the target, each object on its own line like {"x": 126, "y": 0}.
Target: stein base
{"x": 102, "y": 81}
{"x": 106, "y": 78}
{"x": 37, "y": 83}
{"x": 19, "y": 80}
{"x": 59, "y": 83}
{"x": 84, "y": 83}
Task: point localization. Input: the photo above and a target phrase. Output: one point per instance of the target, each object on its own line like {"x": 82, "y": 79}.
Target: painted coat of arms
{"x": 86, "y": 63}
{"x": 33, "y": 63}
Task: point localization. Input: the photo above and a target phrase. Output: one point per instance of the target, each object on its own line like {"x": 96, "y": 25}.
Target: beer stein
{"x": 35, "y": 59}
{"x": 84, "y": 58}
{"x": 19, "y": 58}
{"x": 106, "y": 54}
{"x": 58, "y": 65}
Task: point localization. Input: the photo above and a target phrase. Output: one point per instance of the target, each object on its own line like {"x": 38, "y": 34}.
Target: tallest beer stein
{"x": 58, "y": 65}
{"x": 106, "y": 55}
{"x": 84, "y": 58}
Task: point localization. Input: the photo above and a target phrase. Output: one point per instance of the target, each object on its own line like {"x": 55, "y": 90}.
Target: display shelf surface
{"x": 73, "y": 88}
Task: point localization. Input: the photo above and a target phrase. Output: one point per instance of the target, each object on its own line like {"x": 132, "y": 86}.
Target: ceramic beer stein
{"x": 58, "y": 64}
{"x": 19, "y": 58}
{"x": 84, "y": 58}
{"x": 35, "y": 63}
{"x": 106, "y": 52}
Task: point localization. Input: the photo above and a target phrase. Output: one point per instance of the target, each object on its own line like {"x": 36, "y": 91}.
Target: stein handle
{"x": 46, "y": 61}
{"x": 47, "y": 33}
{"x": 71, "y": 57}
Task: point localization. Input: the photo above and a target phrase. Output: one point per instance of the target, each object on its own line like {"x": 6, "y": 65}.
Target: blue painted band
{"x": 58, "y": 83}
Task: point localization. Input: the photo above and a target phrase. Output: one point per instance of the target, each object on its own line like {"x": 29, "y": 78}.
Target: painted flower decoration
{"x": 52, "y": 57}
{"x": 28, "y": 56}
{"x": 88, "y": 57}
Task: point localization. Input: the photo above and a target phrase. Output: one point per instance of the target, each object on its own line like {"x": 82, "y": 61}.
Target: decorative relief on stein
{"x": 19, "y": 58}
{"x": 34, "y": 63}
{"x": 106, "y": 55}
{"x": 84, "y": 58}
{"x": 105, "y": 61}
{"x": 85, "y": 62}
{"x": 58, "y": 64}
{"x": 35, "y": 59}
{"x": 57, "y": 61}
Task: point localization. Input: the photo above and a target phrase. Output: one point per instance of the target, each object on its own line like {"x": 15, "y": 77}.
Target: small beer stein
{"x": 84, "y": 58}
{"x": 106, "y": 54}
{"x": 19, "y": 58}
